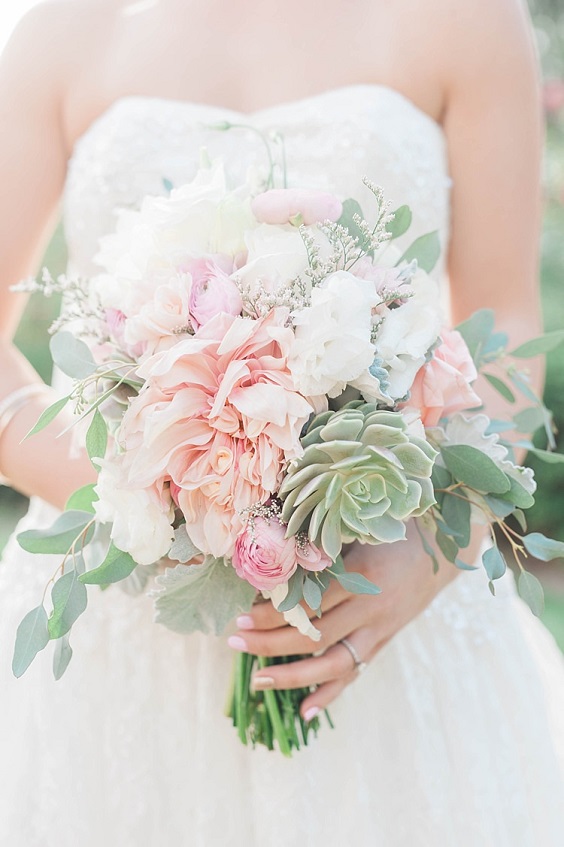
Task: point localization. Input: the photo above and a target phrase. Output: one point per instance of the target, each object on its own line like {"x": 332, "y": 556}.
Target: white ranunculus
{"x": 276, "y": 255}
{"x": 141, "y": 519}
{"x": 407, "y": 333}
{"x": 332, "y": 345}
{"x": 159, "y": 317}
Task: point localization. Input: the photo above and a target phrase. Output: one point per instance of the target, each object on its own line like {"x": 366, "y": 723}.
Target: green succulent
{"x": 362, "y": 475}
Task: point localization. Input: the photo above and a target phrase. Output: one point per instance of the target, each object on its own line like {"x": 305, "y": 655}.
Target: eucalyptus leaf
{"x": 201, "y": 598}
{"x": 183, "y": 548}
{"x": 496, "y": 426}
{"x": 529, "y": 420}
{"x": 494, "y": 562}
{"x": 69, "y": 599}
{"x": 295, "y": 591}
{"x": 476, "y": 332}
{"x": 531, "y": 591}
{"x": 97, "y": 438}
{"x": 475, "y": 469}
{"x": 447, "y": 546}
{"x": 518, "y": 495}
{"x": 59, "y": 537}
{"x": 71, "y": 355}
{"x": 500, "y": 508}
{"x": 456, "y": 512}
{"x": 538, "y": 346}
{"x": 82, "y": 500}
{"x": 521, "y": 385}
{"x": 356, "y": 583}
{"x": 401, "y": 222}
{"x": 549, "y": 456}
{"x": 116, "y": 566}
{"x": 427, "y": 548}
{"x": 500, "y": 387}
{"x": 426, "y": 250}
{"x": 32, "y": 636}
{"x": 464, "y": 567}
{"x": 543, "y": 548}
{"x": 312, "y": 593}
{"x": 61, "y": 656}
{"x": 521, "y": 519}
{"x": 48, "y": 415}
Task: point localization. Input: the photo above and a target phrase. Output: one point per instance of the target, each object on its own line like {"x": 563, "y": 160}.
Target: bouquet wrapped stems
{"x": 269, "y": 716}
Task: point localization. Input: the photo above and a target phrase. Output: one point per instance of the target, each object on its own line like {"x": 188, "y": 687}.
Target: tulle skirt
{"x": 454, "y": 735}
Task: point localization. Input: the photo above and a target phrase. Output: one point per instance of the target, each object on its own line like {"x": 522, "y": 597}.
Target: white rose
{"x": 141, "y": 519}
{"x": 276, "y": 255}
{"x": 202, "y": 216}
{"x": 407, "y": 333}
{"x": 332, "y": 345}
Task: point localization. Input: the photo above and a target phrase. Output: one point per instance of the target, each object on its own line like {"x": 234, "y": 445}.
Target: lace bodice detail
{"x": 142, "y": 144}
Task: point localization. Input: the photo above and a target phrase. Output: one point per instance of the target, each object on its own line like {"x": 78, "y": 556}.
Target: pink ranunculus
{"x": 312, "y": 558}
{"x": 263, "y": 555}
{"x": 443, "y": 385}
{"x": 212, "y": 291}
{"x": 279, "y": 205}
{"x": 219, "y": 417}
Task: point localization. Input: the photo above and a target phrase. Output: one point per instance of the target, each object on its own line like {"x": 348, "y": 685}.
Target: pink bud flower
{"x": 280, "y": 205}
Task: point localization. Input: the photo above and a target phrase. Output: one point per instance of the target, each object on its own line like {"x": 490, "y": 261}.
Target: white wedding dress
{"x": 454, "y": 735}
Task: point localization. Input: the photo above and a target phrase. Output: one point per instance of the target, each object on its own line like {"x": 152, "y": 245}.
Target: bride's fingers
{"x": 264, "y": 616}
{"x": 335, "y": 663}
{"x": 288, "y": 641}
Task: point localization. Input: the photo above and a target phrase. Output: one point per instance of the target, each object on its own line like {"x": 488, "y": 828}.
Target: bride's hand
{"x": 403, "y": 571}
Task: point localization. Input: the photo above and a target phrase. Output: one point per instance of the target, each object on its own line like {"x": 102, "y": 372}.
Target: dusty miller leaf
{"x": 201, "y": 598}
{"x": 183, "y": 548}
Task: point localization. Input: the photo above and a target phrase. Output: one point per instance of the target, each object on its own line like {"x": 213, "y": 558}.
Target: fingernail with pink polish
{"x": 237, "y": 643}
{"x": 245, "y": 622}
{"x": 311, "y": 713}
{"x": 262, "y": 682}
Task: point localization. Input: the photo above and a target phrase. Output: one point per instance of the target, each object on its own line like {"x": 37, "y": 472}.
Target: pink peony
{"x": 442, "y": 386}
{"x": 263, "y": 555}
{"x": 279, "y": 205}
{"x": 219, "y": 416}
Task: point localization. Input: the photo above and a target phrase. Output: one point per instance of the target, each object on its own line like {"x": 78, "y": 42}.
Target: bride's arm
{"x": 493, "y": 127}
{"x": 32, "y": 173}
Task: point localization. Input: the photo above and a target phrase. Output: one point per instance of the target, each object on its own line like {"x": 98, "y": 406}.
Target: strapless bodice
{"x": 140, "y": 145}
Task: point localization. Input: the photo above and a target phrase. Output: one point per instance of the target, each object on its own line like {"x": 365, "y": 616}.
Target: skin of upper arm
{"x": 32, "y": 151}
{"x": 493, "y": 123}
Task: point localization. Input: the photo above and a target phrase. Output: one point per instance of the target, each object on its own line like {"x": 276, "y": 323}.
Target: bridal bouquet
{"x": 259, "y": 378}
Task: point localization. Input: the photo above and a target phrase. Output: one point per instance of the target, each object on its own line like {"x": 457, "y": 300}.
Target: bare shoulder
{"x": 51, "y": 41}
{"x": 487, "y": 38}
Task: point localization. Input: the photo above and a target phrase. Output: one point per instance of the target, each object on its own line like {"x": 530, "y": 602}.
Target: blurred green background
{"x": 548, "y": 513}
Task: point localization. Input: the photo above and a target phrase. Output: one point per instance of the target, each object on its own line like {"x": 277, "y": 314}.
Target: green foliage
{"x": 69, "y": 602}
{"x": 543, "y": 548}
{"x": 426, "y": 250}
{"x": 97, "y": 438}
{"x": 531, "y": 592}
{"x": 82, "y": 499}
{"x": 32, "y": 636}
{"x": 201, "y": 598}
{"x": 472, "y": 467}
{"x": 61, "y": 656}
{"x": 401, "y": 222}
{"x": 59, "y": 537}
{"x": 72, "y": 355}
{"x": 116, "y": 566}
{"x": 48, "y": 415}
